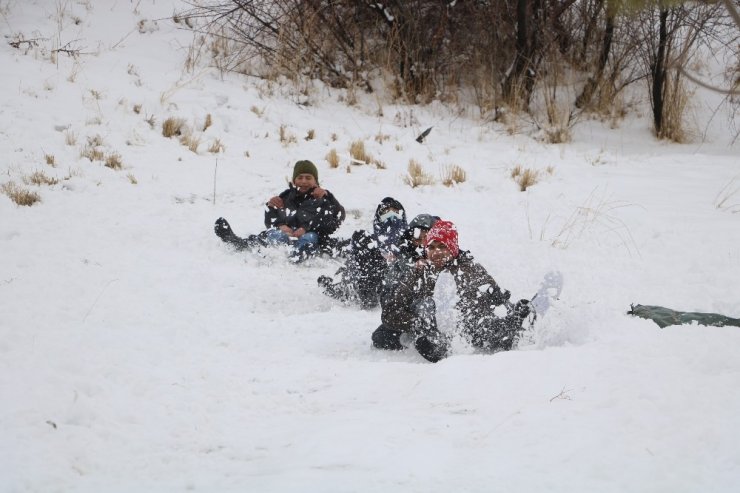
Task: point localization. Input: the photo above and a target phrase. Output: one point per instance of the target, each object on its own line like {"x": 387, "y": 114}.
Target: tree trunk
{"x": 606, "y": 44}
{"x": 659, "y": 73}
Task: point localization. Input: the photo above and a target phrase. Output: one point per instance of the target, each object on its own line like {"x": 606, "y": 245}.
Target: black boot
{"x": 386, "y": 337}
{"x": 223, "y": 230}
{"x": 432, "y": 347}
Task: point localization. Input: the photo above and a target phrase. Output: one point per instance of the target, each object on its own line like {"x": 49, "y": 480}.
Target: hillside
{"x": 139, "y": 353}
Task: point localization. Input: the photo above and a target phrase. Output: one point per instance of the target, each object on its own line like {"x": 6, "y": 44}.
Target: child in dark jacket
{"x": 409, "y": 312}
{"x": 303, "y": 216}
{"x": 368, "y": 255}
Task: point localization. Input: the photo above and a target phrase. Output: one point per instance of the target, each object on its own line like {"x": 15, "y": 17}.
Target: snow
{"x": 139, "y": 353}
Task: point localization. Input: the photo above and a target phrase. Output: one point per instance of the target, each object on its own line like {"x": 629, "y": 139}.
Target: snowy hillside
{"x": 139, "y": 353}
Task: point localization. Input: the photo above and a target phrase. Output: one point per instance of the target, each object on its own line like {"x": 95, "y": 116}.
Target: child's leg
{"x": 305, "y": 246}
{"x": 431, "y": 343}
{"x": 274, "y": 236}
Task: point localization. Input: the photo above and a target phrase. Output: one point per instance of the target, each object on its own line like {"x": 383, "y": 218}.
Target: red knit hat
{"x": 446, "y": 233}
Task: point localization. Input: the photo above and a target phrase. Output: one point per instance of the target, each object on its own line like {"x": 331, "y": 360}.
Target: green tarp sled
{"x": 665, "y": 316}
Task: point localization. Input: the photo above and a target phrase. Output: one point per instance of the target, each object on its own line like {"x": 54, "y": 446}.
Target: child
{"x": 368, "y": 255}
{"x": 408, "y": 309}
{"x": 303, "y": 216}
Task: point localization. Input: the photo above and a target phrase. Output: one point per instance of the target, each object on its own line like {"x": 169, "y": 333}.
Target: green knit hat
{"x": 305, "y": 166}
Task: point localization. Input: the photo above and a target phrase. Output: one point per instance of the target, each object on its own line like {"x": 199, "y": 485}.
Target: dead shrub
{"x": 137, "y": 108}
{"x": 452, "y": 175}
{"x": 113, "y": 161}
{"x": 216, "y": 146}
{"x": 173, "y": 127}
{"x": 19, "y": 195}
{"x": 416, "y": 176}
{"x": 286, "y": 137}
{"x": 333, "y": 158}
{"x": 93, "y": 150}
{"x": 526, "y": 178}
{"x": 381, "y": 137}
{"x": 311, "y": 134}
{"x": 358, "y": 153}
{"x": 190, "y": 141}
{"x": 39, "y": 178}
{"x": 50, "y": 160}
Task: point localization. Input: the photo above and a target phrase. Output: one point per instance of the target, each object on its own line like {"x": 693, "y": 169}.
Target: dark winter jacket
{"x": 367, "y": 255}
{"x": 322, "y": 216}
{"x": 405, "y": 285}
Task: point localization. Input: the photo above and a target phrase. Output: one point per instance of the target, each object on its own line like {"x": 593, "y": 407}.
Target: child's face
{"x": 438, "y": 254}
{"x": 304, "y": 182}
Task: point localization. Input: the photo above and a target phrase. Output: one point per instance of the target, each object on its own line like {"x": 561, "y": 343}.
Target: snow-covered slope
{"x": 138, "y": 353}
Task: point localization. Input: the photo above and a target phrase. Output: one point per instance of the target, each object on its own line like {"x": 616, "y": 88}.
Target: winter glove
{"x": 521, "y": 309}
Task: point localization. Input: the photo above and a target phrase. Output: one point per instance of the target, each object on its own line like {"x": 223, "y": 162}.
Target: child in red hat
{"x": 409, "y": 312}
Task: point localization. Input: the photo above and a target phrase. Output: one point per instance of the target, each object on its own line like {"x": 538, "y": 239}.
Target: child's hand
{"x": 276, "y": 203}
{"x": 286, "y": 229}
{"x": 299, "y": 232}
{"x": 318, "y": 193}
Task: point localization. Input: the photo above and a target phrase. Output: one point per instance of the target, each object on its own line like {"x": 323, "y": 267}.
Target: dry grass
{"x": 137, "y": 109}
{"x": 39, "y": 178}
{"x": 92, "y": 150}
{"x": 311, "y": 134}
{"x": 559, "y": 117}
{"x": 333, "y": 158}
{"x": 516, "y": 171}
{"x": 19, "y": 195}
{"x": 113, "y": 161}
{"x": 526, "y": 178}
{"x": 173, "y": 127}
{"x": 594, "y": 216}
{"x": 95, "y": 141}
{"x": 257, "y": 111}
{"x": 132, "y": 179}
{"x": 381, "y": 137}
{"x": 70, "y": 138}
{"x": 416, "y": 175}
{"x": 50, "y": 160}
{"x": 286, "y": 137}
{"x": 208, "y": 122}
{"x": 358, "y": 153}
{"x": 452, "y": 175}
{"x": 190, "y": 141}
{"x": 334, "y": 137}
{"x": 152, "y": 121}
{"x": 728, "y": 199}
{"x": 216, "y": 147}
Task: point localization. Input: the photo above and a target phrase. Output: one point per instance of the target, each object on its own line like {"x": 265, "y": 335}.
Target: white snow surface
{"x": 139, "y": 353}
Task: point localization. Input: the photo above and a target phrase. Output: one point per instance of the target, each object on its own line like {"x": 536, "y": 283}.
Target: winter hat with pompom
{"x": 446, "y": 233}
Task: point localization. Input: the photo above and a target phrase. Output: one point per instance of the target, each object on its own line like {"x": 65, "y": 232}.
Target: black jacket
{"x": 405, "y": 285}
{"x": 322, "y": 216}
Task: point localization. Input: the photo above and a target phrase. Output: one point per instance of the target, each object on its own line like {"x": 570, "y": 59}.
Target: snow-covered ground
{"x": 139, "y": 353}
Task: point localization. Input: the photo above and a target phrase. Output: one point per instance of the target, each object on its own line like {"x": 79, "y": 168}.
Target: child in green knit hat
{"x": 303, "y": 216}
